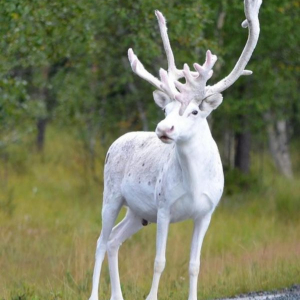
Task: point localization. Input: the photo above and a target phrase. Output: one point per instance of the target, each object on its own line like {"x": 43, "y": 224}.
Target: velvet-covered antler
{"x": 251, "y": 11}
{"x": 195, "y": 89}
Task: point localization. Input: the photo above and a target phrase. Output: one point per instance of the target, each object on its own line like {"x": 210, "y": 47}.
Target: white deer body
{"x": 173, "y": 174}
{"x": 150, "y": 175}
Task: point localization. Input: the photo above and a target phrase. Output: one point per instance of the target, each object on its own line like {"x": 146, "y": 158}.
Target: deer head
{"x": 188, "y": 103}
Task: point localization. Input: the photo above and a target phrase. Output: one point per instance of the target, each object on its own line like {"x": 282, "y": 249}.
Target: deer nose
{"x": 169, "y": 130}
{"x": 164, "y": 129}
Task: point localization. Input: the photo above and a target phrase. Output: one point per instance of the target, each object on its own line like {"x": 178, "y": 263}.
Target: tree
{"x": 272, "y": 88}
{"x": 66, "y": 62}
{"x": 38, "y": 39}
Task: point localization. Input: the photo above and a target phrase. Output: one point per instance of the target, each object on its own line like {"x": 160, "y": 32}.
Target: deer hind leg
{"x": 110, "y": 212}
{"x": 200, "y": 228}
{"x": 130, "y": 225}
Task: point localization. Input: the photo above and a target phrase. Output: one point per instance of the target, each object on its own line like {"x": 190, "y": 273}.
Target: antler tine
{"x": 194, "y": 88}
{"x": 251, "y": 11}
{"x": 138, "y": 68}
{"x": 166, "y": 84}
{"x": 172, "y": 70}
{"x": 206, "y": 71}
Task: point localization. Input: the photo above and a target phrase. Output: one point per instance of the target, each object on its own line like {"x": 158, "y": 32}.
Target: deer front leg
{"x": 163, "y": 221}
{"x": 200, "y": 228}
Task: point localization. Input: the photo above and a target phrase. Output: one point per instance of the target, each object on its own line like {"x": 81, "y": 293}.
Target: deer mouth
{"x": 165, "y": 139}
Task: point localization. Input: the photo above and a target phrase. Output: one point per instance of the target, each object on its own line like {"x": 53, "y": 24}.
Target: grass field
{"x": 50, "y": 219}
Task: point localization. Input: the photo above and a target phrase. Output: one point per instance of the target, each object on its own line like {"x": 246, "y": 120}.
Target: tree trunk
{"x": 142, "y": 114}
{"x": 278, "y": 144}
{"x": 43, "y": 95}
{"x": 229, "y": 149}
{"x": 140, "y": 107}
{"x": 41, "y": 130}
{"x": 48, "y": 97}
{"x": 242, "y": 154}
{"x": 243, "y": 139}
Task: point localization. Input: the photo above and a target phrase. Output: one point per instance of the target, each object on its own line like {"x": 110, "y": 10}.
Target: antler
{"x": 166, "y": 82}
{"x": 193, "y": 89}
{"x": 252, "y": 22}
{"x": 172, "y": 70}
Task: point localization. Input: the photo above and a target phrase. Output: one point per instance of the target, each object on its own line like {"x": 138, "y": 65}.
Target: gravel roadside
{"x": 292, "y": 293}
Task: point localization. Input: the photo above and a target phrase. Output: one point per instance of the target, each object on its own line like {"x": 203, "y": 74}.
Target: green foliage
{"x": 6, "y": 203}
{"x": 237, "y": 182}
{"x": 38, "y": 38}
{"x": 274, "y": 83}
{"x": 286, "y": 200}
{"x": 71, "y": 59}
{"x": 24, "y": 293}
{"x": 40, "y": 33}
{"x": 66, "y": 61}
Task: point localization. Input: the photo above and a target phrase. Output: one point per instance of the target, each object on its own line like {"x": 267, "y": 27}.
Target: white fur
{"x": 161, "y": 183}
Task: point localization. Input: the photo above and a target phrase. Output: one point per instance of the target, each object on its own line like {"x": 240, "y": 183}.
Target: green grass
{"x": 50, "y": 219}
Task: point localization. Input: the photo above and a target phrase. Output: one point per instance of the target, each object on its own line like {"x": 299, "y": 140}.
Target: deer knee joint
{"x": 194, "y": 268}
{"x": 100, "y": 249}
{"x": 159, "y": 265}
{"x": 113, "y": 247}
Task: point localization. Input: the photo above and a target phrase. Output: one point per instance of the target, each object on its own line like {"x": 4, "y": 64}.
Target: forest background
{"x": 67, "y": 91}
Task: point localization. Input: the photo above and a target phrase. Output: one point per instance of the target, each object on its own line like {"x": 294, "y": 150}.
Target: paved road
{"x": 292, "y": 293}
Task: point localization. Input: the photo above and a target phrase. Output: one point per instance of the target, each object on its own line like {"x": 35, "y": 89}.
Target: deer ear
{"x": 161, "y": 99}
{"x": 210, "y": 103}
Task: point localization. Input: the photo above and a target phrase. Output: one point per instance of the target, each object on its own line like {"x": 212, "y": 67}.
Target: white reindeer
{"x": 173, "y": 174}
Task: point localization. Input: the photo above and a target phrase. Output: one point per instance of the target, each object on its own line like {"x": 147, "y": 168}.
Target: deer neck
{"x": 194, "y": 156}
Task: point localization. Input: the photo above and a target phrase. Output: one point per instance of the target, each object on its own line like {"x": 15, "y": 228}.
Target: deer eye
{"x": 195, "y": 112}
